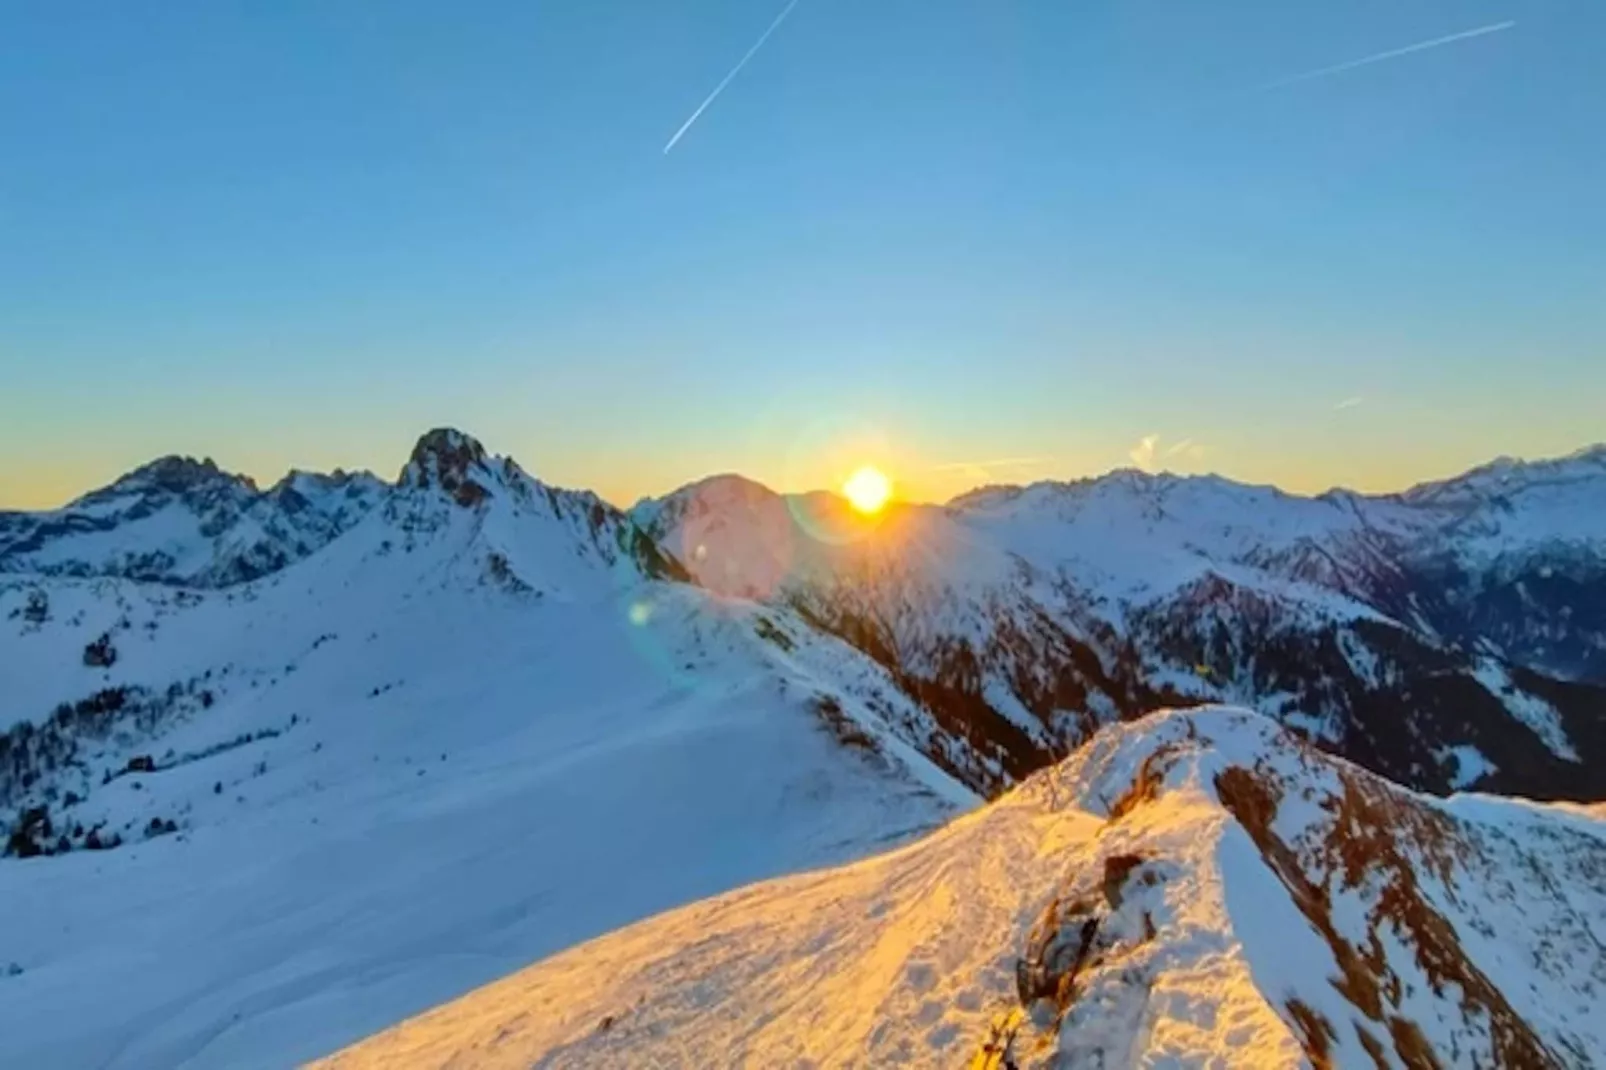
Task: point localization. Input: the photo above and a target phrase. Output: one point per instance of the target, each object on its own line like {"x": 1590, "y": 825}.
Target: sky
{"x": 968, "y": 241}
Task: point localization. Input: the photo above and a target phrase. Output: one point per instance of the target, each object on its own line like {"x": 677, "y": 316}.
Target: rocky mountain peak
{"x": 179, "y": 474}
{"x": 1595, "y": 455}
{"x": 451, "y": 461}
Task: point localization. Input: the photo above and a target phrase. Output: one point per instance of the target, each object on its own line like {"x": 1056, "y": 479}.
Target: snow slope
{"x": 471, "y": 731}
{"x": 1195, "y": 889}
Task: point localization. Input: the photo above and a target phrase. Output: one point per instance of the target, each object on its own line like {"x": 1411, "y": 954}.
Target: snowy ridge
{"x": 1505, "y": 475}
{"x": 182, "y": 521}
{"x": 1195, "y": 889}
{"x": 1134, "y": 535}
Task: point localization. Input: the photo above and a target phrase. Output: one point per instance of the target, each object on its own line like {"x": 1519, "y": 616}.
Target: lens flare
{"x": 867, "y": 489}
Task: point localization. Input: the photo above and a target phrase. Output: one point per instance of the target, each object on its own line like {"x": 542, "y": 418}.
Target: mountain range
{"x": 1021, "y": 618}
{"x": 281, "y": 767}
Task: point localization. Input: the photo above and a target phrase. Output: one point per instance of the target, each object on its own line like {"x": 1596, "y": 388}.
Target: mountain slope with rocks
{"x": 1447, "y": 637}
{"x": 1192, "y": 889}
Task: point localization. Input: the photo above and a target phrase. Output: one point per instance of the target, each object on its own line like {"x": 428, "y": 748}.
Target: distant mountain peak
{"x": 337, "y": 477}
{"x": 712, "y": 495}
{"x": 180, "y": 520}
{"x": 454, "y": 462}
{"x": 178, "y": 474}
{"x": 731, "y": 482}
{"x": 1506, "y": 474}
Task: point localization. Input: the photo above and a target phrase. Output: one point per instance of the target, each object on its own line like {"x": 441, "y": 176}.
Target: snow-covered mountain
{"x": 1520, "y": 564}
{"x": 477, "y": 727}
{"x": 996, "y": 651}
{"x": 280, "y": 768}
{"x": 1193, "y": 889}
{"x": 1451, "y": 635}
{"x": 182, "y": 521}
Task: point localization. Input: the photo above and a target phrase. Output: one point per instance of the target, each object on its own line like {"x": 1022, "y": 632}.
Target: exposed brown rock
{"x": 1145, "y": 786}
{"x": 1370, "y": 827}
{"x": 1316, "y": 1034}
{"x": 1117, "y": 868}
{"x": 1374, "y": 1047}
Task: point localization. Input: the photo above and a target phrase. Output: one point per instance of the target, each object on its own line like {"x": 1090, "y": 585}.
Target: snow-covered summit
{"x": 1509, "y": 512}
{"x": 1508, "y": 475}
{"x": 1504, "y": 507}
{"x": 711, "y": 494}
{"x": 1195, "y": 889}
{"x": 333, "y": 501}
{"x": 1132, "y": 534}
{"x": 188, "y": 523}
{"x": 174, "y": 474}
{"x": 507, "y": 525}
{"x": 181, "y": 521}
{"x": 455, "y": 463}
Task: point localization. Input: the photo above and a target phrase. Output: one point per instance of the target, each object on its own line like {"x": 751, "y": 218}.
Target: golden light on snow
{"x": 868, "y": 489}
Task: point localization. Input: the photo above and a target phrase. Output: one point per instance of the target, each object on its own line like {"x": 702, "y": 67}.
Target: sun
{"x": 868, "y": 489}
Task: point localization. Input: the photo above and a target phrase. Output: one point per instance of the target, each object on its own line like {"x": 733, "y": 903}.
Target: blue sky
{"x": 929, "y": 234}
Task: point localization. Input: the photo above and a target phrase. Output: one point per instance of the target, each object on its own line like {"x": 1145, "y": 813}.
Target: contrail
{"x": 734, "y": 71}
{"x": 1393, "y": 53}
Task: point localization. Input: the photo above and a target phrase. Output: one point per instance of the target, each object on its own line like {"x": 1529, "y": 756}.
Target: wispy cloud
{"x": 1143, "y": 453}
{"x": 1349, "y": 403}
{"x": 734, "y": 71}
{"x": 1147, "y": 452}
{"x": 1393, "y": 53}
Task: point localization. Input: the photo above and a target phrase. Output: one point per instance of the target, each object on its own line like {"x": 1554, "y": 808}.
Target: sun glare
{"x": 868, "y": 489}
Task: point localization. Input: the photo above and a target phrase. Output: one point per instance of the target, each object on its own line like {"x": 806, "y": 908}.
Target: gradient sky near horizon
{"x": 967, "y": 240}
